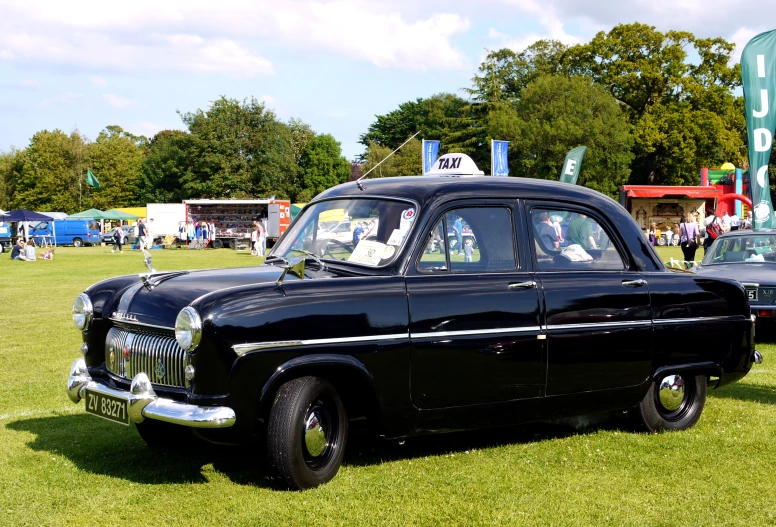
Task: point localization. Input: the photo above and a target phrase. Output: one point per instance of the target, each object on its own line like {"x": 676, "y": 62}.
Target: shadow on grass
{"x": 746, "y": 392}
{"x": 105, "y": 448}
{"x": 100, "y": 447}
{"x": 365, "y": 449}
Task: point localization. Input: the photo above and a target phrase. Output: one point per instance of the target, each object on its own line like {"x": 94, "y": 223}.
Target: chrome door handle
{"x": 634, "y": 283}
{"x": 522, "y": 285}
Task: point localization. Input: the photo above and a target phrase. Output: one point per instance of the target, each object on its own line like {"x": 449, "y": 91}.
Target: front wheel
{"x": 674, "y": 402}
{"x": 307, "y": 432}
{"x": 78, "y": 242}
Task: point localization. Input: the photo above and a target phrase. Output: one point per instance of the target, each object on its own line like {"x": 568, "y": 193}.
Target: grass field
{"x": 59, "y": 466}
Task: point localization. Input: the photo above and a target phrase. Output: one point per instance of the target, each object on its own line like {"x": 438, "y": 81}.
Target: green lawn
{"x": 59, "y": 466}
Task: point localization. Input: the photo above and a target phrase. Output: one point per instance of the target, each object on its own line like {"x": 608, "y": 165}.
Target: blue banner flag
{"x": 430, "y": 154}
{"x": 499, "y": 163}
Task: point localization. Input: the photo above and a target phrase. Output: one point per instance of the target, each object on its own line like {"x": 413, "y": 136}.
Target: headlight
{"x": 188, "y": 329}
{"x": 82, "y": 311}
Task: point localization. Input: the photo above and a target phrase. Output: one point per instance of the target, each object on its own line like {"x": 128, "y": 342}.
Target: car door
{"x": 474, "y": 314}
{"x": 597, "y": 307}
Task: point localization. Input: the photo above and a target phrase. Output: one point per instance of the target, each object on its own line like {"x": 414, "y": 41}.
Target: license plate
{"x": 108, "y": 407}
{"x": 752, "y": 294}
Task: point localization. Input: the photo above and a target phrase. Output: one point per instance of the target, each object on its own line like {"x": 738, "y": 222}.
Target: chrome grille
{"x": 158, "y": 356}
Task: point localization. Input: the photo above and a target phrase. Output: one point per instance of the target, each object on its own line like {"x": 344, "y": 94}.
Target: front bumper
{"x": 143, "y": 403}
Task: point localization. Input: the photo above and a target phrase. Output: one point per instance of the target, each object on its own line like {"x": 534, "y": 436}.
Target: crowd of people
{"x": 689, "y": 234}
{"x": 25, "y": 251}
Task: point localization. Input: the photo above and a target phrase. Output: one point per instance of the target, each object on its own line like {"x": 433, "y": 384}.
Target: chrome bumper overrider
{"x": 143, "y": 403}
{"x": 757, "y": 357}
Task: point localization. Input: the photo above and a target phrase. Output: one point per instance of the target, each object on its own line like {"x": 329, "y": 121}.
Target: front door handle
{"x": 519, "y": 286}
{"x": 634, "y": 283}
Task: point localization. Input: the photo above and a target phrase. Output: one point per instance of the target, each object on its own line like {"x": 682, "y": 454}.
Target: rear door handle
{"x": 518, "y": 286}
{"x": 634, "y": 283}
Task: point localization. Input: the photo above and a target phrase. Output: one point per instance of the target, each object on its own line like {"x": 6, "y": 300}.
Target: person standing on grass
{"x": 142, "y": 232}
{"x": 688, "y": 232}
{"x": 212, "y": 231}
{"x": 262, "y": 237}
{"x": 118, "y": 239}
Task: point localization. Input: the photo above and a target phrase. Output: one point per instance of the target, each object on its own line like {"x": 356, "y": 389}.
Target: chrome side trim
{"x": 141, "y": 324}
{"x": 597, "y": 325}
{"x": 471, "y": 332}
{"x": 242, "y": 349}
{"x": 691, "y": 320}
{"x": 750, "y": 284}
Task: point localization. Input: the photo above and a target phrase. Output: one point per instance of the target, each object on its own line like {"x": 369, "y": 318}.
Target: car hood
{"x": 159, "y": 305}
{"x": 757, "y": 272}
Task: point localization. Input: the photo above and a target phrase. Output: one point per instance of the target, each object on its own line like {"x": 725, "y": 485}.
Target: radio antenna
{"x": 358, "y": 181}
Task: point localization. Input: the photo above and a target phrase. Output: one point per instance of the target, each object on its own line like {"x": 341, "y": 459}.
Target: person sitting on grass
{"x": 47, "y": 255}
{"x": 17, "y": 253}
{"x": 29, "y": 251}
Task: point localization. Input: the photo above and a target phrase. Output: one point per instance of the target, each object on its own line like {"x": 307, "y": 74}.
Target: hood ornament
{"x": 146, "y": 277}
{"x": 295, "y": 268}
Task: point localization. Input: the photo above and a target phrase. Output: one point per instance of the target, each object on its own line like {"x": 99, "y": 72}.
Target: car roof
{"x": 748, "y": 232}
{"x": 424, "y": 189}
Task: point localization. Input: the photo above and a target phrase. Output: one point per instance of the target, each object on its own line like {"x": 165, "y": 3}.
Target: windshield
{"x": 750, "y": 248}
{"x": 365, "y": 231}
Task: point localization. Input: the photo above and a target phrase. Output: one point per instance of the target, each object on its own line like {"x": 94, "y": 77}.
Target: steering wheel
{"x": 326, "y": 247}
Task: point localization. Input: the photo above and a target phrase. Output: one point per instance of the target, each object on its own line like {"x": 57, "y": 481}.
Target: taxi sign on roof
{"x": 455, "y": 165}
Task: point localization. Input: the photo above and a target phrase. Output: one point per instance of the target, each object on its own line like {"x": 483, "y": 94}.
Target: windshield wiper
{"x": 313, "y": 256}
{"x": 276, "y": 257}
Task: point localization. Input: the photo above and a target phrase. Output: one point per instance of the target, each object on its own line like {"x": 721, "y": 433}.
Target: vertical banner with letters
{"x": 499, "y": 161}
{"x": 430, "y": 154}
{"x": 572, "y": 165}
{"x": 758, "y": 73}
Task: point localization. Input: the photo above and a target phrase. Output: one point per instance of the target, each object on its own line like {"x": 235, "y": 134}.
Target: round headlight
{"x": 188, "y": 329}
{"x": 82, "y": 311}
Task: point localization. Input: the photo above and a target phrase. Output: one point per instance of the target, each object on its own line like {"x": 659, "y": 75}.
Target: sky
{"x": 87, "y": 64}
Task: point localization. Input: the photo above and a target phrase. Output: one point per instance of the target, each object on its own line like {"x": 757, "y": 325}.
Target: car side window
{"x": 572, "y": 240}
{"x": 473, "y": 239}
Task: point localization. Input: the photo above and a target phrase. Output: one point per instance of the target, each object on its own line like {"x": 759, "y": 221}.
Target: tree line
{"x": 652, "y": 108}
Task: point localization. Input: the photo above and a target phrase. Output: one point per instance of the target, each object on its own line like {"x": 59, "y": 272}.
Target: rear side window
{"x": 572, "y": 240}
{"x": 473, "y": 239}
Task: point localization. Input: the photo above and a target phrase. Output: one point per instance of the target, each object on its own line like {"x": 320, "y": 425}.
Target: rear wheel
{"x": 78, "y": 242}
{"x": 218, "y": 244}
{"x": 307, "y": 432}
{"x": 674, "y": 402}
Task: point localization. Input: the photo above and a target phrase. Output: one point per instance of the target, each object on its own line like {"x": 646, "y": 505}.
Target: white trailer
{"x": 234, "y": 217}
{"x": 166, "y": 216}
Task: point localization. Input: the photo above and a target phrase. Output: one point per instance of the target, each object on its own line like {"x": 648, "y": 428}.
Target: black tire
{"x": 158, "y": 434}
{"x": 682, "y": 408}
{"x": 232, "y": 244}
{"x": 218, "y": 244}
{"x": 78, "y": 242}
{"x": 307, "y": 413}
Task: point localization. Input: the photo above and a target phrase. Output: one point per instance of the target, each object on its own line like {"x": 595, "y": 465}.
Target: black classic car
{"x": 750, "y": 258}
{"x": 415, "y": 341}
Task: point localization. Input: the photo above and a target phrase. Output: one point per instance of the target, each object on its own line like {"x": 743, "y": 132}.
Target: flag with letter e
{"x": 758, "y": 74}
{"x": 572, "y": 165}
{"x": 91, "y": 180}
{"x": 499, "y": 162}
{"x": 430, "y": 154}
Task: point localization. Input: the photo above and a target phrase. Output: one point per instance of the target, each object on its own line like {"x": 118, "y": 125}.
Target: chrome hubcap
{"x": 671, "y": 392}
{"x": 315, "y": 432}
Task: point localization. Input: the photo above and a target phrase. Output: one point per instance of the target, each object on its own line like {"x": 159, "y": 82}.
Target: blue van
{"x": 70, "y": 231}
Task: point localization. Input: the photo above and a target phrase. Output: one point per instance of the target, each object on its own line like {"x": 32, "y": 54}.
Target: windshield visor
{"x": 363, "y": 231}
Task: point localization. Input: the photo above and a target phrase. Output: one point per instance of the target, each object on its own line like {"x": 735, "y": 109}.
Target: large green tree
{"x": 116, "y": 159}
{"x": 406, "y": 162}
{"x": 322, "y": 166}
{"x": 240, "y": 150}
{"x": 555, "y": 114}
{"x": 51, "y": 173}
{"x": 431, "y": 117}
{"x": 168, "y": 162}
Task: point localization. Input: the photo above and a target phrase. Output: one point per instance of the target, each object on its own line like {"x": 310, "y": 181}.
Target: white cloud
{"x": 268, "y": 99}
{"x": 117, "y": 101}
{"x": 63, "y": 98}
{"x": 740, "y": 38}
{"x": 98, "y": 81}
{"x": 29, "y": 83}
{"x": 224, "y": 37}
{"x": 150, "y": 129}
